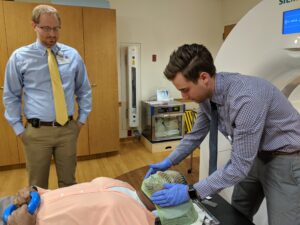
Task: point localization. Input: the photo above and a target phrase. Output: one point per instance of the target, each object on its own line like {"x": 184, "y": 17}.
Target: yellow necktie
{"x": 58, "y": 91}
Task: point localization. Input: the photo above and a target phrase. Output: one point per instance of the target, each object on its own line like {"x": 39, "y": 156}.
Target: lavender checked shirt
{"x": 255, "y": 114}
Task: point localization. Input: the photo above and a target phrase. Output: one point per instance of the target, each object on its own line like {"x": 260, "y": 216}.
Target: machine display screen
{"x": 291, "y": 22}
{"x": 168, "y": 109}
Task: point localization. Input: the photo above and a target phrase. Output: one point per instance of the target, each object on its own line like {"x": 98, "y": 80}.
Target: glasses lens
{"x": 49, "y": 29}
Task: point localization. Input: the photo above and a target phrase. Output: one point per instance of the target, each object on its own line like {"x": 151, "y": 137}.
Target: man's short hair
{"x": 190, "y": 60}
{"x": 41, "y": 9}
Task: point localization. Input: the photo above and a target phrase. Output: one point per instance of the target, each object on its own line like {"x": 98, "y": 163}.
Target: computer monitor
{"x": 291, "y": 22}
{"x": 162, "y": 95}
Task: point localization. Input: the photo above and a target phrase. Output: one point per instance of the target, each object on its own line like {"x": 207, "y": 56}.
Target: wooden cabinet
{"x": 100, "y": 56}
{"x": 92, "y": 32}
{"x": 72, "y": 35}
{"x": 18, "y": 33}
{"x": 8, "y": 140}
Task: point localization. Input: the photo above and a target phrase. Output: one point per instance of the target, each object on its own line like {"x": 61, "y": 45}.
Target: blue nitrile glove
{"x": 173, "y": 194}
{"x": 161, "y": 166}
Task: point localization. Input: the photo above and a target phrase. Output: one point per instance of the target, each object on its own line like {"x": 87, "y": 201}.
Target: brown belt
{"x": 35, "y": 122}
{"x": 274, "y": 153}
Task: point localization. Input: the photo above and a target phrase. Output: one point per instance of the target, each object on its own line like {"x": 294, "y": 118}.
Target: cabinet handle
{"x": 1, "y": 88}
{"x": 93, "y": 85}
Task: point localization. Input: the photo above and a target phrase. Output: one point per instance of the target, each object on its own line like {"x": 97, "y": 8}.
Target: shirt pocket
{"x": 67, "y": 73}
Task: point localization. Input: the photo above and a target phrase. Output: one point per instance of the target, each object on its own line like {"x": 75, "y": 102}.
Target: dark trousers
{"x": 46, "y": 141}
{"x": 276, "y": 178}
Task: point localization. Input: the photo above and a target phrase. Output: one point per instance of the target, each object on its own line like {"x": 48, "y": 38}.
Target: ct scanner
{"x": 264, "y": 43}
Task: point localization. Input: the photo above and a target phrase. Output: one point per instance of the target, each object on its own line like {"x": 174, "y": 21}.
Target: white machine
{"x": 133, "y": 85}
{"x": 265, "y": 43}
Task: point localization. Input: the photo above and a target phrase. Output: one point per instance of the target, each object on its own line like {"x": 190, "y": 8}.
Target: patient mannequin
{"x": 102, "y": 201}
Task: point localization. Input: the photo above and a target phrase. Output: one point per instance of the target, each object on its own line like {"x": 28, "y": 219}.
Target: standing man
{"x": 264, "y": 129}
{"x": 48, "y": 75}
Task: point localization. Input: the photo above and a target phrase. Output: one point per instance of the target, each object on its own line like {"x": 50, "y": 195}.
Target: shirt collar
{"x": 55, "y": 48}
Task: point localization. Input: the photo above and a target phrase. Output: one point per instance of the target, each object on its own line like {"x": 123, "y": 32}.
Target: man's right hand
{"x": 21, "y": 216}
{"x": 20, "y": 136}
{"x": 161, "y": 166}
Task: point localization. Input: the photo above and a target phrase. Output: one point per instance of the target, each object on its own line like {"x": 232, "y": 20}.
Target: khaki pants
{"x": 46, "y": 141}
{"x": 276, "y": 178}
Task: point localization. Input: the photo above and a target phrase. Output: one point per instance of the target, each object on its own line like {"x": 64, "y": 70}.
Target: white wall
{"x": 87, "y": 3}
{"x": 162, "y": 26}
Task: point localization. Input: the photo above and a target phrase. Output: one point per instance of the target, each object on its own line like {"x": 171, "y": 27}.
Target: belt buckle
{"x": 36, "y": 123}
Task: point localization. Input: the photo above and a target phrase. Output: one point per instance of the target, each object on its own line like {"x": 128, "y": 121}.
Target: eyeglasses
{"x": 49, "y": 29}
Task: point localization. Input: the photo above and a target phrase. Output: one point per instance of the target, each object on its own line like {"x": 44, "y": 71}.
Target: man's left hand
{"x": 79, "y": 124}
{"x": 171, "y": 195}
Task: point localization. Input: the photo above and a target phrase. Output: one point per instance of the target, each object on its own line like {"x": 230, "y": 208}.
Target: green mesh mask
{"x": 183, "y": 214}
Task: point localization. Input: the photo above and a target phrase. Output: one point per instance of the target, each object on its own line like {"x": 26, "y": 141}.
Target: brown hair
{"x": 41, "y": 9}
{"x": 190, "y": 60}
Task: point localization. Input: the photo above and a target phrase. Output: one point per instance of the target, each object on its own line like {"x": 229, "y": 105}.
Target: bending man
{"x": 264, "y": 130}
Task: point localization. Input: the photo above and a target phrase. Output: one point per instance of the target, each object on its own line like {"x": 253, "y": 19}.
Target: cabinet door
{"x": 20, "y": 33}
{"x": 100, "y": 57}
{"x": 8, "y": 140}
{"x": 72, "y": 34}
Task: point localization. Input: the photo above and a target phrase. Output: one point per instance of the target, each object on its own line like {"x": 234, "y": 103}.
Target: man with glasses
{"x": 47, "y": 75}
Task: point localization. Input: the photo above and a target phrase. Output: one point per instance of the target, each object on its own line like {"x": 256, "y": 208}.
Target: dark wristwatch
{"x": 192, "y": 192}
{"x": 33, "y": 188}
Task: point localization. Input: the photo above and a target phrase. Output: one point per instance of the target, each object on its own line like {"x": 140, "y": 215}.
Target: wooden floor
{"x": 133, "y": 155}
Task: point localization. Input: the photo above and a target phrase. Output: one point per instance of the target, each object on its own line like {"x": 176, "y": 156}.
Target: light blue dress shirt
{"x": 255, "y": 114}
{"x": 27, "y": 75}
